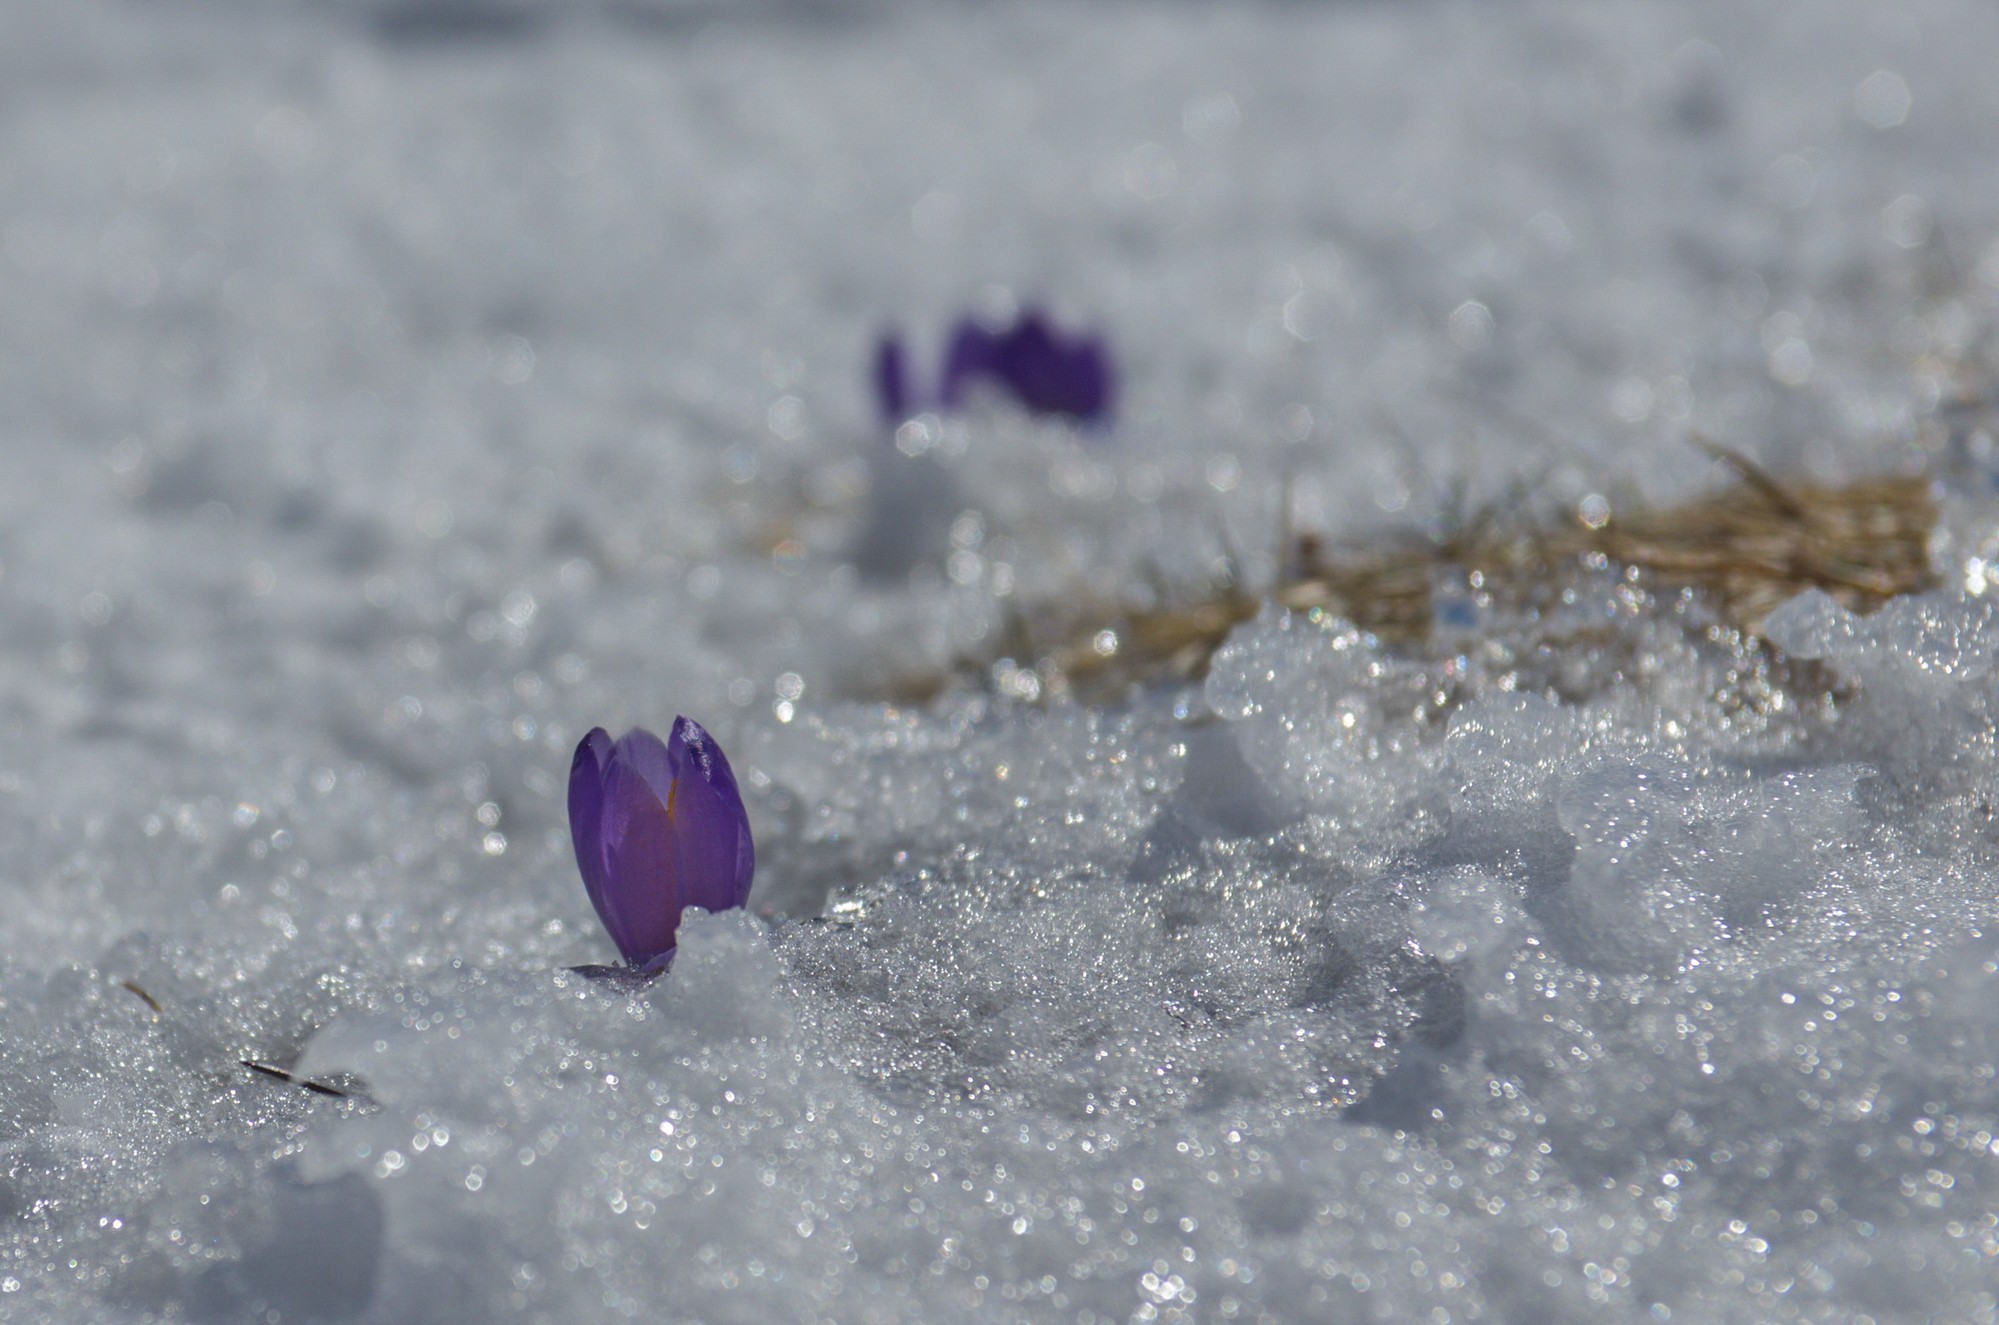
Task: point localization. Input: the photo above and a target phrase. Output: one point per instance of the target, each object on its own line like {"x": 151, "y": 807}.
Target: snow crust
{"x": 390, "y": 392}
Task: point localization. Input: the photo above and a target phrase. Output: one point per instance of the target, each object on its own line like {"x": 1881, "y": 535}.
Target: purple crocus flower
{"x": 1044, "y": 370}
{"x": 658, "y": 826}
{"x": 1047, "y": 372}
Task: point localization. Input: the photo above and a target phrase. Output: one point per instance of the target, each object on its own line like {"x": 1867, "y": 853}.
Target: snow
{"x": 391, "y": 392}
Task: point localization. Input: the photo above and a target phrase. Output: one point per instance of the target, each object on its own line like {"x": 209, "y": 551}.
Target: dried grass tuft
{"x": 1745, "y": 548}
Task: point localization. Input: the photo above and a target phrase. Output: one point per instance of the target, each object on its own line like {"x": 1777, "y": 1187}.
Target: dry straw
{"x": 1745, "y": 548}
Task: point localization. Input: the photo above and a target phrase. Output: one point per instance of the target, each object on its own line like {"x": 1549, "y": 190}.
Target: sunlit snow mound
{"x": 1285, "y": 1001}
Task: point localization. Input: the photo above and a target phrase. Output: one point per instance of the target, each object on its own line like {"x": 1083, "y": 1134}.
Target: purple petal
{"x": 973, "y": 354}
{"x": 641, "y": 902}
{"x": 1052, "y": 376}
{"x": 645, "y": 754}
{"x": 1084, "y": 393}
{"x": 712, "y": 829}
{"x": 1045, "y": 371}
{"x": 1030, "y": 363}
{"x": 586, "y": 811}
{"x": 891, "y": 380}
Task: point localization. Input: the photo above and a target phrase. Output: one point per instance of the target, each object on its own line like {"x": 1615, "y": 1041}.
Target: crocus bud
{"x": 658, "y": 827}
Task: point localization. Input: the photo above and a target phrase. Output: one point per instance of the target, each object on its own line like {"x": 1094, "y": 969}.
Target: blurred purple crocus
{"x": 1043, "y": 369}
{"x": 658, "y": 826}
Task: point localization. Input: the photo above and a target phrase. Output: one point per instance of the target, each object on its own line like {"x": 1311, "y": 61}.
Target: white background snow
{"x": 390, "y": 392}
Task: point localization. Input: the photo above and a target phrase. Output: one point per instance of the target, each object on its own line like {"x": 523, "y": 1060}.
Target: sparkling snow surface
{"x": 390, "y": 392}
